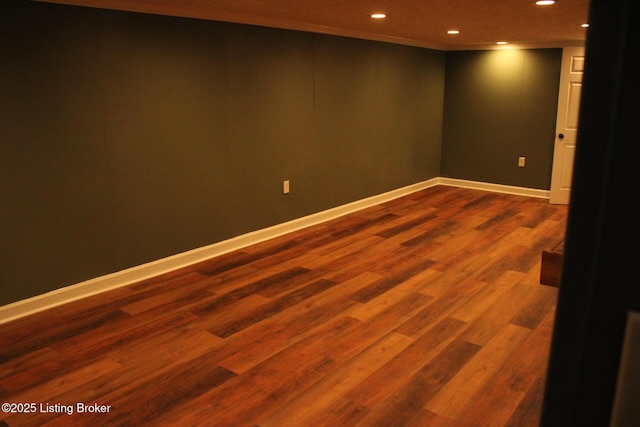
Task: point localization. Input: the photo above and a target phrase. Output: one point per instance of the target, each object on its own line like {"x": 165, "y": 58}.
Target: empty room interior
{"x": 272, "y": 213}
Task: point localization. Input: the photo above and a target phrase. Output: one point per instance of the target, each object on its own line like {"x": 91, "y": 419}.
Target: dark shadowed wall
{"x": 126, "y": 138}
{"x": 500, "y": 105}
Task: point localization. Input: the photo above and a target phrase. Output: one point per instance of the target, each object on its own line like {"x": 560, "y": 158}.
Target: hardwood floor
{"x": 423, "y": 311}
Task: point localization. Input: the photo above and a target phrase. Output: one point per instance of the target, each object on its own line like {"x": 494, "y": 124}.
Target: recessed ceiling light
{"x": 378, "y": 15}
{"x": 545, "y": 2}
{"x": 585, "y": 25}
{"x": 453, "y": 32}
{"x": 501, "y": 42}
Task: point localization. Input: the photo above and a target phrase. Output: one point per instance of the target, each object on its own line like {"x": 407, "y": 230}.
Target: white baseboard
{"x": 145, "y": 271}
{"x": 135, "y": 274}
{"x": 496, "y": 188}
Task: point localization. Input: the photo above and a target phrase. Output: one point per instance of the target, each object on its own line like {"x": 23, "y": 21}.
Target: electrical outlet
{"x": 285, "y": 187}
{"x": 521, "y": 161}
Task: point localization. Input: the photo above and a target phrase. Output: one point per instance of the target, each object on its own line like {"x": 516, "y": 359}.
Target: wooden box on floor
{"x": 552, "y": 266}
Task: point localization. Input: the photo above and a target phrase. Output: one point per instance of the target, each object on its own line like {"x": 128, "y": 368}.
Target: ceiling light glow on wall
{"x": 453, "y": 32}
{"x": 378, "y": 15}
{"x": 545, "y": 2}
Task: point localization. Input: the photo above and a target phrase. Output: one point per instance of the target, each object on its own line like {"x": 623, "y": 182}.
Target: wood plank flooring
{"x": 423, "y": 311}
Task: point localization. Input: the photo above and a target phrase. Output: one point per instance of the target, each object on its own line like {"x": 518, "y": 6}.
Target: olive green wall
{"x": 500, "y": 105}
{"x": 126, "y": 138}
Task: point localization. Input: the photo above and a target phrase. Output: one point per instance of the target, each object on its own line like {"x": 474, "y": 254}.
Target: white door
{"x": 567, "y": 123}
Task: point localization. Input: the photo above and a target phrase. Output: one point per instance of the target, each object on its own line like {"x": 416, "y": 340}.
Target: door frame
{"x": 600, "y": 273}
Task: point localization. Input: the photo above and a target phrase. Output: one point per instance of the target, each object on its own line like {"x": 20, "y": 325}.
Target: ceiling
{"x": 421, "y": 23}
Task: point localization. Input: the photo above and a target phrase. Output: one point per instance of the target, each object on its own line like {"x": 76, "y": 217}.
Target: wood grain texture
{"x": 425, "y": 310}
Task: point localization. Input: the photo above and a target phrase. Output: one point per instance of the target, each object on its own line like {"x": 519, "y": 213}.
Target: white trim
{"x": 496, "y": 188}
{"x": 135, "y": 274}
{"x": 145, "y": 271}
